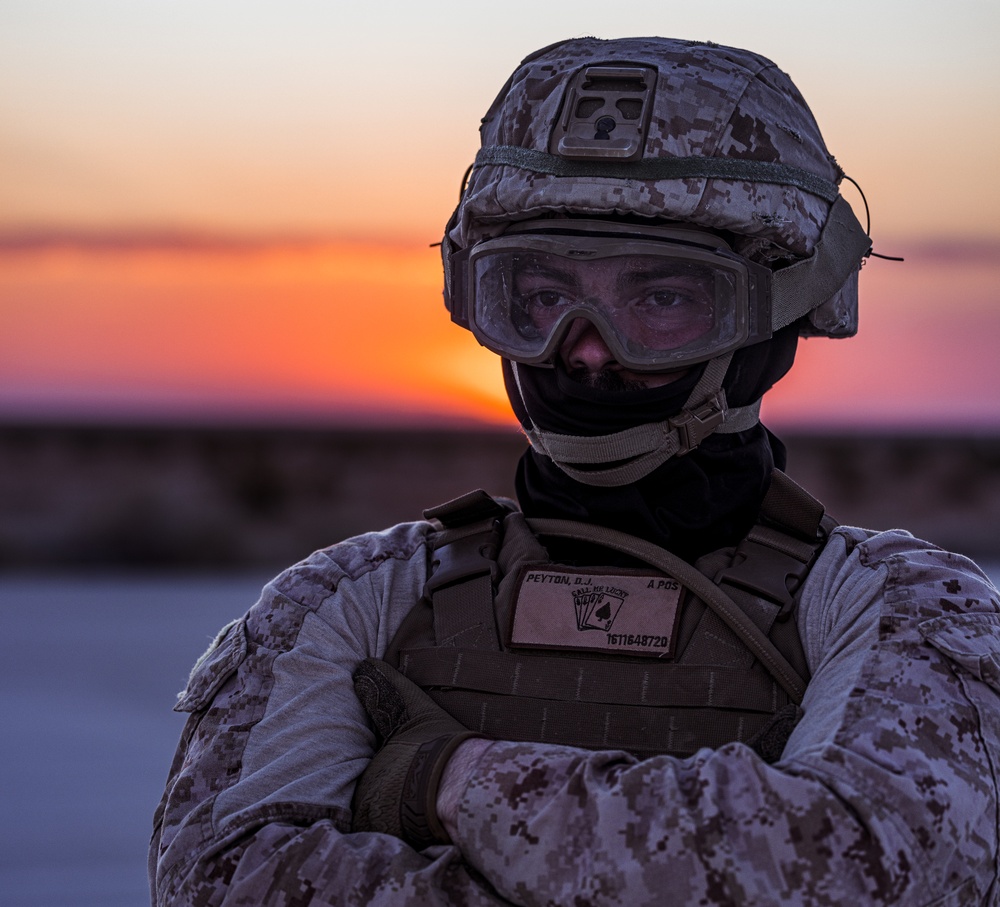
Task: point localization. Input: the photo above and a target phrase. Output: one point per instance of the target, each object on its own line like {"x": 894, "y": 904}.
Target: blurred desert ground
{"x": 124, "y": 549}
{"x": 253, "y": 497}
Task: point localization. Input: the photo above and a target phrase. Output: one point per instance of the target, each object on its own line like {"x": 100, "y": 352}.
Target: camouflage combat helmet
{"x": 669, "y": 131}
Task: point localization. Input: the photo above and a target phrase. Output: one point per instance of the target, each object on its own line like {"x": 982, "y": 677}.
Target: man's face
{"x": 657, "y": 303}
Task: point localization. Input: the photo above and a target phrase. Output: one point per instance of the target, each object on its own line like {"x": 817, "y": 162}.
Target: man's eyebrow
{"x": 631, "y": 277}
{"x": 533, "y": 267}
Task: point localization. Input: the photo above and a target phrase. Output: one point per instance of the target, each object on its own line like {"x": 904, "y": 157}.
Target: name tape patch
{"x": 610, "y": 610}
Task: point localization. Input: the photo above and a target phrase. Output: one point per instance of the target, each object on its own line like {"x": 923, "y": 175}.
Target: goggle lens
{"x": 657, "y": 304}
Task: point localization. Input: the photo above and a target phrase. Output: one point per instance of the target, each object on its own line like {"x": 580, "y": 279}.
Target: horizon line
{"x": 167, "y": 239}
{"x": 845, "y": 431}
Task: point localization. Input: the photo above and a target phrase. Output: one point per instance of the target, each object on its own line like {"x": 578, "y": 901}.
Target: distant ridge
{"x": 216, "y": 496}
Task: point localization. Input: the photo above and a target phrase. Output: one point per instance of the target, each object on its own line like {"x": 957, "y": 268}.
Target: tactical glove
{"x": 397, "y": 794}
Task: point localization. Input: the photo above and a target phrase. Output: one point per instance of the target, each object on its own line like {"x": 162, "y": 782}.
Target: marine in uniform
{"x": 665, "y": 674}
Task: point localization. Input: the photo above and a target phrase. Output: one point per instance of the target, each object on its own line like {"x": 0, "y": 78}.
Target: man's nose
{"x": 583, "y": 347}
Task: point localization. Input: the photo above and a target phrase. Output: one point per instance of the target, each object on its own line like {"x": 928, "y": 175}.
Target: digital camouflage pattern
{"x": 711, "y": 101}
{"x": 886, "y": 792}
{"x": 895, "y": 804}
{"x": 256, "y": 809}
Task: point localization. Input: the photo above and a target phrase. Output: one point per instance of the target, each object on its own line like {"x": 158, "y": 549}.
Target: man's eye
{"x": 674, "y": 295}
{"x": 668, "y": 299}
{"x": 545, "y": 299}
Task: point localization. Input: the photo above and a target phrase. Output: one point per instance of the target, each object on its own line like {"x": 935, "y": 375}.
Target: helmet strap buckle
{"x": 695, "y": 424}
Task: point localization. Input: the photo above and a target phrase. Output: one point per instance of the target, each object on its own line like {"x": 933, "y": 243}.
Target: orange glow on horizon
{"x": 324, "y": 328}
{"x": 347, "y": 331}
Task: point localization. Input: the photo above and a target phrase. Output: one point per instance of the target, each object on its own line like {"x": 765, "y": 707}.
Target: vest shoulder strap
{"x": 463, "y": 569}
{"x": 456, "y": 607}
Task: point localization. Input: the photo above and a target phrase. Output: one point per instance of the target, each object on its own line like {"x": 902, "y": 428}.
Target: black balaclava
{"x": 692, "y": 504}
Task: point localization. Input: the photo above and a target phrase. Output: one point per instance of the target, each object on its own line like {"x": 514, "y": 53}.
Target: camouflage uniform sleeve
{"x": 257, "y": 804}
{"x": 886, "y": 792}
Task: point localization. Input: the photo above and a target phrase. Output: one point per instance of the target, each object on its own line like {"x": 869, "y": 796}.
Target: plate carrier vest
{"x": 737, "y": 671}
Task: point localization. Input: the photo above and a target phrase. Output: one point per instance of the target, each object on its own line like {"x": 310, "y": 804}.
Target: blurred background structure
{"x": 223, "y": 343}
{"x": 260, "y": 498}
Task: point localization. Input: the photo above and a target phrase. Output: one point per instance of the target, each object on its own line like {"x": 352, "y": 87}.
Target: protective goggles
{"x": 661, "y": 297}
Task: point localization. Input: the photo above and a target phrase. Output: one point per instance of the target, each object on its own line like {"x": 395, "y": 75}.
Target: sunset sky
{"x": 224, "y": 210}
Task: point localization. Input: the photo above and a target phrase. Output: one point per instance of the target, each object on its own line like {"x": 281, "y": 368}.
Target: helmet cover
{"x": 709, "y": 102}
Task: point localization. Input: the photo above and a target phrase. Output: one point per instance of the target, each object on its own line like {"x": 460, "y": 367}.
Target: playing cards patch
{"x": 611, "y": 611}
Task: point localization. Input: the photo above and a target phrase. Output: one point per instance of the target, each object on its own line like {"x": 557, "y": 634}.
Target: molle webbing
{"x": 715, "y": 690}
{"x": 640, "y": 729}
{"x": 611, "y": 704}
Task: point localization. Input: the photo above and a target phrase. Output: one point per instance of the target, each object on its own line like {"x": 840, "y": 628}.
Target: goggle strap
{"x": 799, "y": 288}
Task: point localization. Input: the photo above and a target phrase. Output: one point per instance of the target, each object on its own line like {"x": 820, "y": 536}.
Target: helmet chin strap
{"x": 629, "y": 455}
